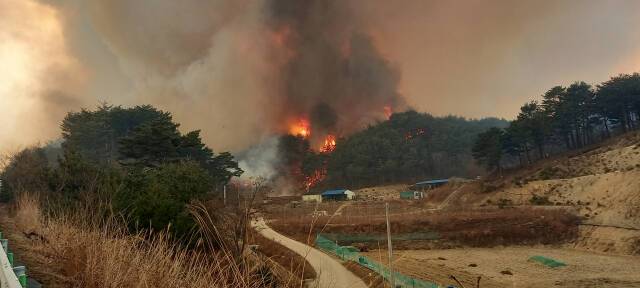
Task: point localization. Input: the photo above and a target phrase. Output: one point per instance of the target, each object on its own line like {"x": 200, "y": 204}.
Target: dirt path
{"x": 331, "y": 273}
{"x": 451, "y": 196}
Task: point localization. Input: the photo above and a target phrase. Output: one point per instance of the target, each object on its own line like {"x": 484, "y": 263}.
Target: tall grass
{"x": 82, "y": 253}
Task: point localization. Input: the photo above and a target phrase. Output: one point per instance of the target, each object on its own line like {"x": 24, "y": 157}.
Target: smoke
{"x": 39, "y": 81}
{"x": 487, "y": 57}
{"x": 243, "y": 70}
{"x": 258, "y": 161}
{"x": 333, "y": 73}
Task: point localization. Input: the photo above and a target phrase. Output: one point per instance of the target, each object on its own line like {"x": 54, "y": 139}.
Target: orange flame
{"x": 300, "y": 128}
{"x": 388, "y": 112}
{"x": 315, "y": 178}
{"x": 414, "y": 133}
{"x": 329, "y": 144}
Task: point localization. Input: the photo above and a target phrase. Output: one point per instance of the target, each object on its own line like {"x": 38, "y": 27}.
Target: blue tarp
{"x": 334, "y": 192}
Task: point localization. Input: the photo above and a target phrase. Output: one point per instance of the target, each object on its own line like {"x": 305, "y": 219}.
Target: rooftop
{"x": 334, "y": 192}
{"x": 436, "y": 181}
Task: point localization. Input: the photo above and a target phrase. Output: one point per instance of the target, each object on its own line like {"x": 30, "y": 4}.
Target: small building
{"x": 411, "y": 195}
{"x": 430, "y": 184}
{"x": 312, "y": 198}
{"x": 338, "y": 195}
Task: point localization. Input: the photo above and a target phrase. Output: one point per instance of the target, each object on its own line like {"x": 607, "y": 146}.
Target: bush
{"x": 502, "y": 203}
{"x": 26, "y": 171}
{"x": 155, "y": 198}
{"x": 549, "y": 173}
{"x": 540, "y": 200}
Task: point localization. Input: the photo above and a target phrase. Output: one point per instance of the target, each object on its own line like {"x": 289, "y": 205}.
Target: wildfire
{"x": 301, "y": 128}
{"x": 387, "y": 111}
{"x": 414, "y": 133}
{"x": 329, "y": 144}
{"x": 316, "y": 177}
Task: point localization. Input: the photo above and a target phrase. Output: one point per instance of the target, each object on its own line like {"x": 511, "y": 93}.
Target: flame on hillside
{"x": 329, "y": 144}
{"x": 300, "y": 128}
{"x": 387, "y": 112}
{"x": 315, "y": 178}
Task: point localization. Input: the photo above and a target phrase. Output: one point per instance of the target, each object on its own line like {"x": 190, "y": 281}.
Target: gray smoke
{"x": 334, "y": 75}
{"x": 243, "y": 70}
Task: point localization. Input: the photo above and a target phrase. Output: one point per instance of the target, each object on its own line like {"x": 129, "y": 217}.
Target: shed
{"x": 312, "y": 198}
{"x": 411, "y": 195}
{"x": 338, "y": 195}
{"x": 430, "y": 184}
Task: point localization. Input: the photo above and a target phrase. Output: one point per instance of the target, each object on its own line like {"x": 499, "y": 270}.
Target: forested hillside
{"x": 566, "y": 118}
{"x": 409, "y": 146}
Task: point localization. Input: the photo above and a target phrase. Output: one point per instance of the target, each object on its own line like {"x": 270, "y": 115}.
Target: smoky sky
{"x": 334, "y": 75}
{"x": 239, "y": 70}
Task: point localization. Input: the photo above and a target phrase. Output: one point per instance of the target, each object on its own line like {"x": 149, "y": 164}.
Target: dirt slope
{"x": 602, "y": 185}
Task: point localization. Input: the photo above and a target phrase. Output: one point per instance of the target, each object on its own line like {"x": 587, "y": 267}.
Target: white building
{"x": 312, "y": 198}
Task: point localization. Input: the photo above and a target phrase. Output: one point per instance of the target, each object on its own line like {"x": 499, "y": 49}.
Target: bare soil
{"x": 584, "y": 269}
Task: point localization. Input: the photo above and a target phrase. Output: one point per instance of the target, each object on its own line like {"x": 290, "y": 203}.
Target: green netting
{"x": 363, "y": 238}
{"x": 547, "y": 261}
{"x": 349, "y": 253}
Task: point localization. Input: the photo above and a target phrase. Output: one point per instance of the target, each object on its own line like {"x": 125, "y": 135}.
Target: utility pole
{"x": 389, "y": 246}
{"x": 224, "y": 195}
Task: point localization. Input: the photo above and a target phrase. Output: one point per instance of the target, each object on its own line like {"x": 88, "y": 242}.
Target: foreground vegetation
{"x": 133, "y": 160}
{"x": 127, "y": 200}
{"x": 76, "y": 250}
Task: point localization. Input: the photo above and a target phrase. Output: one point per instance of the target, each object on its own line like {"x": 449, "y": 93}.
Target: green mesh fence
{"x": 349, "y": 253}
{"x": 547, "y": 261}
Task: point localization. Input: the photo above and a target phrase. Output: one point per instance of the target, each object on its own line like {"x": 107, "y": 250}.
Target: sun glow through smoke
{"x": 33, "y": 53}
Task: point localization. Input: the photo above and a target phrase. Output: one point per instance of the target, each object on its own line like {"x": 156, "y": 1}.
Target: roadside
{"x": 330, "y": 272}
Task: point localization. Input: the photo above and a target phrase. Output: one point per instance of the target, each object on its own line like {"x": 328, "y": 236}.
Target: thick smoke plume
{"x": 333, "y": 74}
{"x": 243, "y": 70}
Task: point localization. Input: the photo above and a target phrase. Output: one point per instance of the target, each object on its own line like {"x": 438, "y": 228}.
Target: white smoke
{"x": 259, "y": 161}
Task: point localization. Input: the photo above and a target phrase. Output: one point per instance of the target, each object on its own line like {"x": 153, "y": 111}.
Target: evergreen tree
{"x": 487, "y": 150}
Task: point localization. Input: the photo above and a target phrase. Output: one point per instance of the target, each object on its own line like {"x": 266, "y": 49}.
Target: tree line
{"x": 565, "y": 118}
{"x": 135, "y": 160}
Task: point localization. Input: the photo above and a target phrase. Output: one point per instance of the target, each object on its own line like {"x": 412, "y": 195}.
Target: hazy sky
{"x": 210, "y": 61}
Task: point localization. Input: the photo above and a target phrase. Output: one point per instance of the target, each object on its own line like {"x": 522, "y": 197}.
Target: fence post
{"x": 5, "y": 245}
{"x": 10, "y": 257}
{"x": 21, "y": 272}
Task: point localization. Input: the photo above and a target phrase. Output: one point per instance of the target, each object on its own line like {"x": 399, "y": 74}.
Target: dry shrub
{"x": 84, "y": 254}
{"x": 28, "y": 216}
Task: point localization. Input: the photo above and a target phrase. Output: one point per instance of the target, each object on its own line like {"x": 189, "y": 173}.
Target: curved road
{"x": 330, "y": 272}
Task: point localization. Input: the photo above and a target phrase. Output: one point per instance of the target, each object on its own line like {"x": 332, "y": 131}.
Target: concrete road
{"x": 331, "y": 273}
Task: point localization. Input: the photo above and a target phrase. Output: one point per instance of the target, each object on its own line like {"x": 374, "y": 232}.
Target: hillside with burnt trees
{"x": 409, "y": 146}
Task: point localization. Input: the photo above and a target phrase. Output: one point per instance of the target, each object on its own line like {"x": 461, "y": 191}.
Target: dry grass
{"x": 482, "y": 228}
{"x": 291, "y": 261}
{"x": 70, "y": 251}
